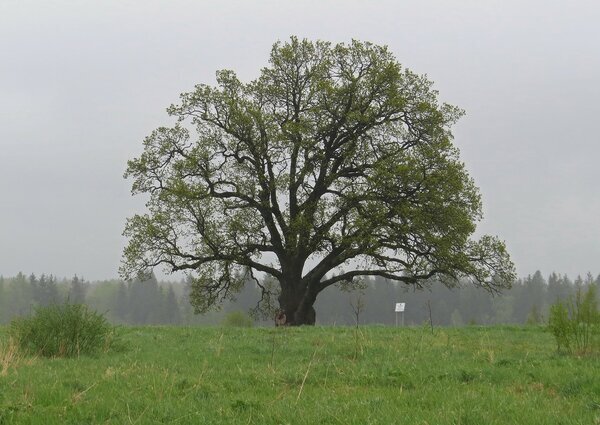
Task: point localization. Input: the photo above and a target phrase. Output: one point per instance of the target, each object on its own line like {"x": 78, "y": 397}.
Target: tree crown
{"x": 334, "y": 163}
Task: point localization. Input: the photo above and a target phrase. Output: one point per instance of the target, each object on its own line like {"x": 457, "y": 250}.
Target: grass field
{"x": 318, "y": 375}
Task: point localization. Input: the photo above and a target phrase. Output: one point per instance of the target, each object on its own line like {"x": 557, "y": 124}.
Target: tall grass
{"x": 10, "y": 356}
{"x": 65, "y": 330}
{"x": 576, "y": 323}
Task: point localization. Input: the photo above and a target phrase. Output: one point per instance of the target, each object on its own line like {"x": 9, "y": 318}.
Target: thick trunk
{"x": 296, "y": 302}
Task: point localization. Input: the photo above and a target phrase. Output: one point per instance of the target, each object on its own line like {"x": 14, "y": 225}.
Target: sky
{"x": 82, "y": 83}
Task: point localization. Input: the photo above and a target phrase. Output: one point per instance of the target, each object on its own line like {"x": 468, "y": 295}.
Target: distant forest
{"x": 153, "y": 302}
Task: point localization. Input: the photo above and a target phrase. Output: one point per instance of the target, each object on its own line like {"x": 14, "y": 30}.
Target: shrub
{"x": 576, "y": 323}
{"x": 561, "y": 326}
{"x": 238, "y": 319}
{"x": 64, "y": 330}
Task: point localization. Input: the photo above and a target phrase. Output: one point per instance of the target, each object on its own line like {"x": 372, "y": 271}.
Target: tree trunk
{"x": 296, "y": 302}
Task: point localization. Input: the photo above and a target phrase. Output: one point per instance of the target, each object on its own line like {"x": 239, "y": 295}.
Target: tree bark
{"x": 296, "y": 301}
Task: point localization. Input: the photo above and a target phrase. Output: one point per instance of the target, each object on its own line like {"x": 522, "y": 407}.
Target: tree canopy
{"x": 334, "y": 164}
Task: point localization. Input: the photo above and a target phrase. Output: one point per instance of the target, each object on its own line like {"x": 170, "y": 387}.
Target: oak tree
{"x": 334, "y": 164}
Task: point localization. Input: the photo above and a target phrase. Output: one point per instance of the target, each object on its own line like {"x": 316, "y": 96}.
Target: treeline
{"x": 528, "y": 301}
{"x": 136, "y": 302}
{"x": 153, "y": 302}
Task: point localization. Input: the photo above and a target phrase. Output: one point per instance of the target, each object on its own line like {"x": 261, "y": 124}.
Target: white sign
{"x": 400, "y": 307}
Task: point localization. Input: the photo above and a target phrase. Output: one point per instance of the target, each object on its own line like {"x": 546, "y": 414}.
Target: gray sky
{"x": 82, "y": 83}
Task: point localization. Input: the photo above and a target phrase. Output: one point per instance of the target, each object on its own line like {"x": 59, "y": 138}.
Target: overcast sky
{"x": 82, "y": 83}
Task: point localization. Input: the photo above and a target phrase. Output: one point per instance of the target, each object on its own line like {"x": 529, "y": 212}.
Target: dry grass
{"x": 10, "y": 356}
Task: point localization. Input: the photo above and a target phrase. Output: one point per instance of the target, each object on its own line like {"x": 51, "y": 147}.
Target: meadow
{"x": 308, "y": 375}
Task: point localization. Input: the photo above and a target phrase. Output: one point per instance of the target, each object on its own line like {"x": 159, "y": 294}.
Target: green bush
{"x": 64, "y": 330}
{"x": 576, "y": 323}
{"x": 238, "y": 319}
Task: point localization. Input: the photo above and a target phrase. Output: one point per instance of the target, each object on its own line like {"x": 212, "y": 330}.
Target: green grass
{"x": 62, "y": 330}
{"x": 320, "y": 375}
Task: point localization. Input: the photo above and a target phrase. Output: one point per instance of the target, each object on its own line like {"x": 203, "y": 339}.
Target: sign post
{"x": 400, "y": 309}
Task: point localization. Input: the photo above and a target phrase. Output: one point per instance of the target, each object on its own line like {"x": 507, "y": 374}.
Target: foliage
{"x": 336, "y": 157}
{"x": 575, "y": 323}
{"x": 62, "y": 330}
{"x": 450, "y": 306}
{"x": 238, "y": 319}
{"x": 561, "y": 326}
{"x": 45, "y": 291}
{"x": 77, "y": 290}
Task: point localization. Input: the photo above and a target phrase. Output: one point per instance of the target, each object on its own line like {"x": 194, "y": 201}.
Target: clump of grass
{"x": 65, "y": 330}
{"x": 238, "y": 319}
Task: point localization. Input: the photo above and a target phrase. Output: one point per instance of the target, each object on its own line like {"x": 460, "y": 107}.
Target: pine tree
{"x": 173, "y": 315}
{"x": 77, "y": 291}
{"x": 121, "y": 303}
{"x": 20, "y": 294}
